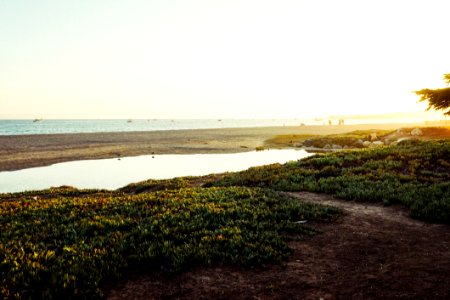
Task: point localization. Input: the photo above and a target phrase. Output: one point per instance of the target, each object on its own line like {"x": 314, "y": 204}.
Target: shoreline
{"x": 27, "y": 151}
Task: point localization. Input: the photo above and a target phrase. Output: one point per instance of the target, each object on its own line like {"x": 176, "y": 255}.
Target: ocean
{"x": 52, "y": 126}
{"x": 23, "y": 127}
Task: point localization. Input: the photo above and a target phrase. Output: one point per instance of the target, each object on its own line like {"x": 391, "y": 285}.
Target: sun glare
{"x": 234, "y": 59}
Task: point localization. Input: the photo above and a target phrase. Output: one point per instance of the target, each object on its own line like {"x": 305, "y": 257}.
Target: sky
{"x": 219, "y": 59}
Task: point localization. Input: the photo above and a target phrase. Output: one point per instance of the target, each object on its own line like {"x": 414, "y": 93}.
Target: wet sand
{"x": 26, "y": 151}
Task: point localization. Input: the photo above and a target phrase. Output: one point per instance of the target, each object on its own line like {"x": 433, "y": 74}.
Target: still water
{"x": 115, "y": 173}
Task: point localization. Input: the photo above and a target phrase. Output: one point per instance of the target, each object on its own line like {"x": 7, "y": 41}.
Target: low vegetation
{"x": 59, "y": 247}
{"x": 413, "y": 173}
{"x": 352, "y": 139}
{"x": 358, "y": 138}
{"x": 65, "y": 243}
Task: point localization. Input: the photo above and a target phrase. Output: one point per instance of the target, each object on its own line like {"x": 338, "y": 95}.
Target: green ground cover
{"x": 414, "y": 173}
{"x": 65, "y": 243}
{"x": 319, "y": 141}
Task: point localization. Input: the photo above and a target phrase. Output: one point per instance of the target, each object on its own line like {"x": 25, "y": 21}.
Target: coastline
{"x": 27, "y": 151}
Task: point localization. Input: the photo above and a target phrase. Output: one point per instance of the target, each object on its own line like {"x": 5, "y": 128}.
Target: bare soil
{"x": 371, "y": 252}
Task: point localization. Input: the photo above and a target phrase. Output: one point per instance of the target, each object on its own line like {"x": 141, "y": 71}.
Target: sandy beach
{"x": 26, "y": 151}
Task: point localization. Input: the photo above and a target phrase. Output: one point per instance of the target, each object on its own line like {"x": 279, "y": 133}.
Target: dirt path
{"x": 371, "y": 252}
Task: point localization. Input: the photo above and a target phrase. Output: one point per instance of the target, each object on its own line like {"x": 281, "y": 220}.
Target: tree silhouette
{"x": 438, "y": 99}
{"x": 447, "y": 78}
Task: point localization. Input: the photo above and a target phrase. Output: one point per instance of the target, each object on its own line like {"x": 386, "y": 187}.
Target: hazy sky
{"x": 219, "y": 59}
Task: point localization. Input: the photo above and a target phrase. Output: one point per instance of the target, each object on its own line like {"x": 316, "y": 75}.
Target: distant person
{"x": 341, "y": 121}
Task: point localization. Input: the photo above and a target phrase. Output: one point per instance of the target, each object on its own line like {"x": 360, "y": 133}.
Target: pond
{"x": 116, "y": 173}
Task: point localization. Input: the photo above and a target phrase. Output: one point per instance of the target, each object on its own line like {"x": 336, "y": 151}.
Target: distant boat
{"x": 129, "y": 121}
{"x": 37, "y": 120}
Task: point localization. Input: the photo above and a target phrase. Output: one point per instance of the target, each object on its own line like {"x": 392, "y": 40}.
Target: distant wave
{"x": 43, "y": 126}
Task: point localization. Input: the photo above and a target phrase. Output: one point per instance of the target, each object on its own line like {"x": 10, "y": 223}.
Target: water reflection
{"x": 114, "y": 173}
